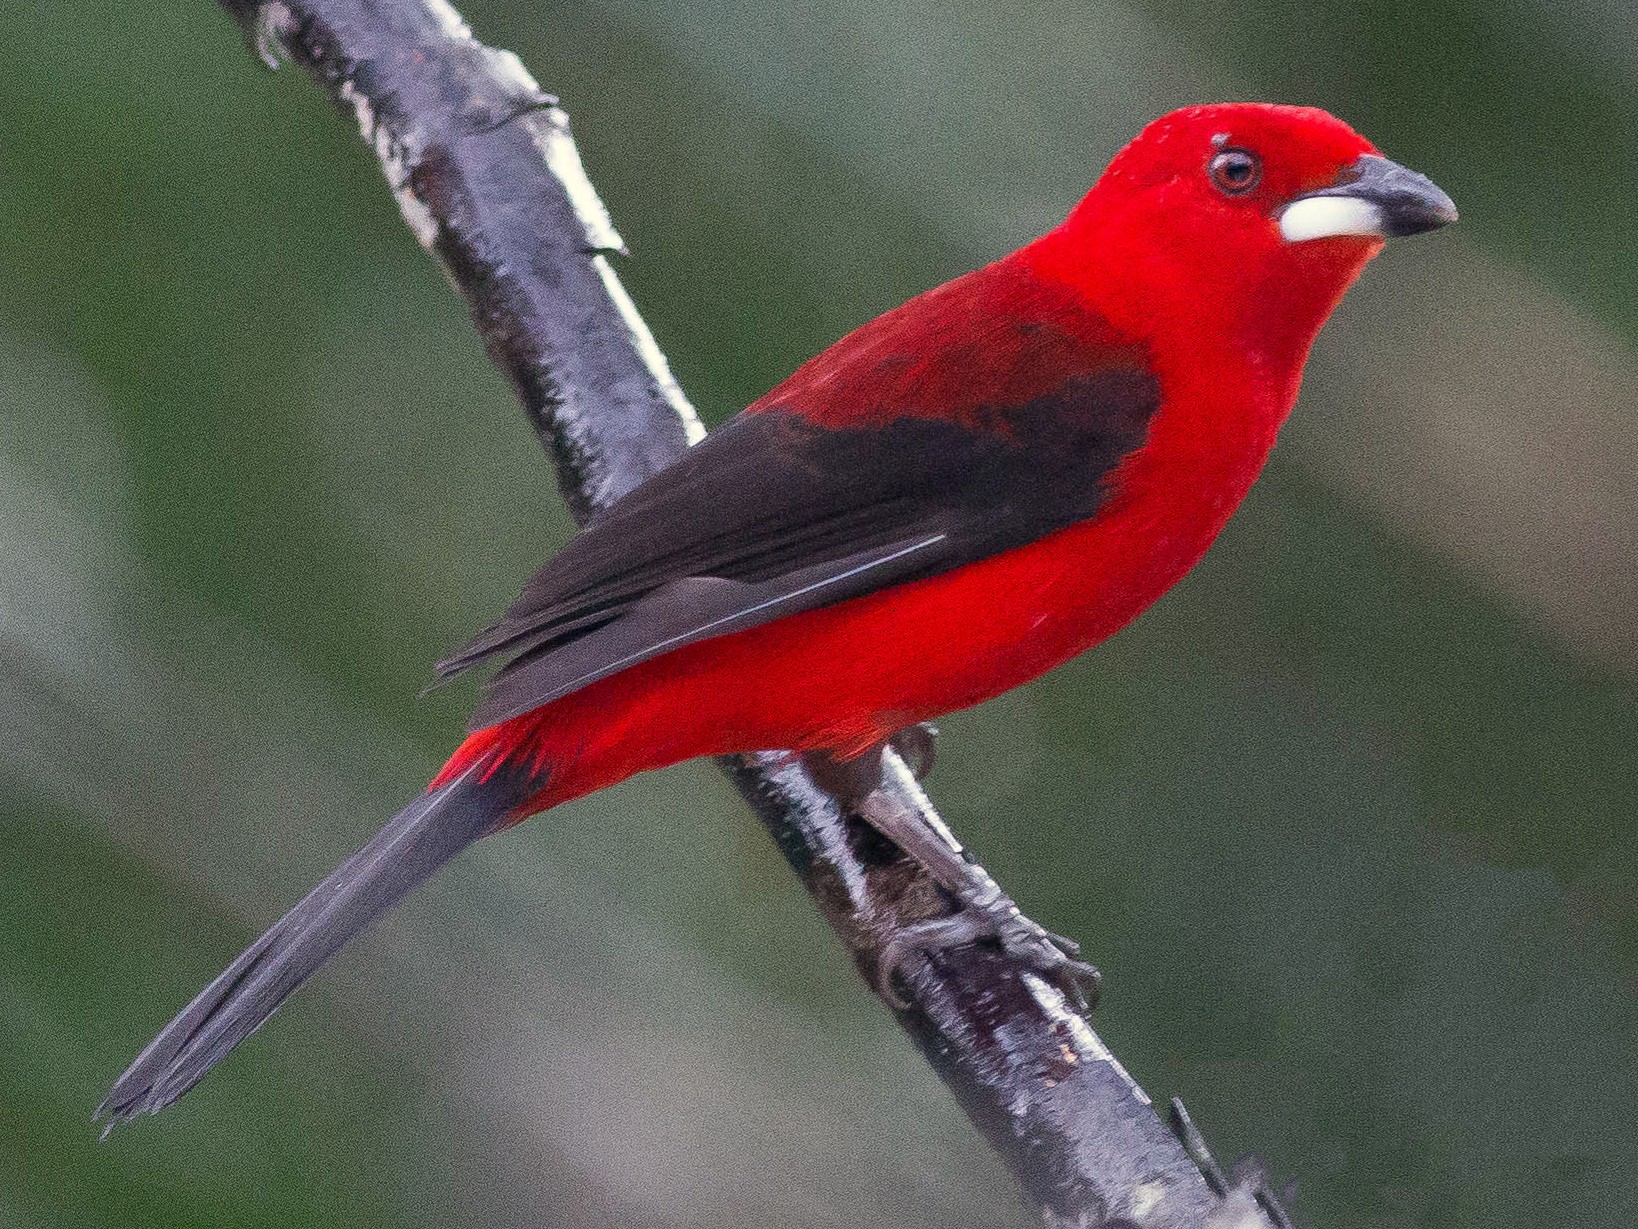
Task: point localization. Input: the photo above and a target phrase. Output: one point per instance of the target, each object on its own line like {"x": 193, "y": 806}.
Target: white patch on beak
{"x": 1321, "y": 217}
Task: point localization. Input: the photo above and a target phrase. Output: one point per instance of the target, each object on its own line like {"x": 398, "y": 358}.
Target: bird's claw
{"x": 1052, "y": 956}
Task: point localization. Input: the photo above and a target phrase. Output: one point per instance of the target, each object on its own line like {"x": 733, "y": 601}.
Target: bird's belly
{"x": 846, "y": 676}
{"x": 853, "y": 673}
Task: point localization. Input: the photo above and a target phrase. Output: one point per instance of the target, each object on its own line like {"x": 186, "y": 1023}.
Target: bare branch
{"x": 487, "y": 176}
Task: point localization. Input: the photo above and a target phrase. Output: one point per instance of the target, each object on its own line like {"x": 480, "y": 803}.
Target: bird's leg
{"x": 984, "y": 911}
{"x": 850, "y": 781}
{"x": 916, "y": 747}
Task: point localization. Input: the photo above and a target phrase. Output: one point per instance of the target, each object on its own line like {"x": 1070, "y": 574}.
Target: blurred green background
{"x": 1346, "y": 820}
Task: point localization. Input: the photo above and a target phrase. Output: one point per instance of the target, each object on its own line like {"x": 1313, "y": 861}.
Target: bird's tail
{"x": 413, "y": 844}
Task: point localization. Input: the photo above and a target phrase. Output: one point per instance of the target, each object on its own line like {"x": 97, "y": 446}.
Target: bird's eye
{"x": 1235, "y": 171}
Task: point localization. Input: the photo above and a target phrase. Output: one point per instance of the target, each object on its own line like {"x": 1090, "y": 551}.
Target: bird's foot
{"x": 983, "y": 911}
{"x": 991, "y": 916}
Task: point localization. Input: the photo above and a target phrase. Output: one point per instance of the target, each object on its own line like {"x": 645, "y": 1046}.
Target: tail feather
{"x": 413, "y": 844}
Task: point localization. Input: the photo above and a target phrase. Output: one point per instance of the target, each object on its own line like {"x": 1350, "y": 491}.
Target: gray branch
{"x": 487, "y": 176}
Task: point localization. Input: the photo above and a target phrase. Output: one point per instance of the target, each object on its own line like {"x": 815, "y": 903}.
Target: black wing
{"x": 772, "y": 515}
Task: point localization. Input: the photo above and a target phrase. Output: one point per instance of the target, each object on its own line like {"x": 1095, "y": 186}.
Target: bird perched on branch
{"x": 960, "y": 495}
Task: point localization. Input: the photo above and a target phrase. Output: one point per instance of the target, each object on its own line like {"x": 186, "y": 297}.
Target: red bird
{"x": 961, "y": 495}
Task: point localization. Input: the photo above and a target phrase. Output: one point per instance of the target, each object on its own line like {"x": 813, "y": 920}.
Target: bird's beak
{"x": 1373, "y": 197}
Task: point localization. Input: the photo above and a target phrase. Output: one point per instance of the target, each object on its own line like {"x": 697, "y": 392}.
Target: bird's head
{"x": 1252, "y": 216}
